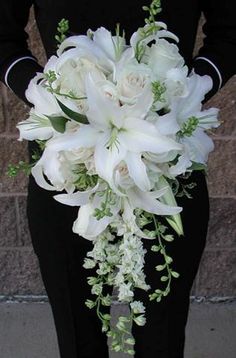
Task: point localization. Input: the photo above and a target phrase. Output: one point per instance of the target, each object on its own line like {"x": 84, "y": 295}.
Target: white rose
{"x": 162, "y": 57}
{"x": 132, "y": 80}
{"x": 73, "y": 71}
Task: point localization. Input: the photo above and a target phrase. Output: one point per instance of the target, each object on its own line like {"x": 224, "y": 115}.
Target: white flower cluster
{"x": 119, "y": 121}
{"x": 130, "y": 269}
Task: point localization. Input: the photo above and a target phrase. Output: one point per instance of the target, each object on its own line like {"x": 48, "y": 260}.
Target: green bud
{"x": 160, "y": 267}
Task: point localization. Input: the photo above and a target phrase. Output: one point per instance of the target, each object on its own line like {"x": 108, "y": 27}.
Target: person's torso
{"x": 181, "y": 18}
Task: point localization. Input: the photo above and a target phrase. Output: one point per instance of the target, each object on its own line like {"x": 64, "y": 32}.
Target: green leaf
{"x": 168, "y": 238}
{"x": 160, "y": 267}
{"x": 58, "y": 123}
{"x": 164, "y": 278}
{"x": 130, "y": 341}
{"x": 155, "y": 248}
{"x": 198, "y": 166}
{"x": 168, "y": 259}
{"x": 90, "y": 304}
{"x": 81, "y": 118}
{"x": 130, "y": 351}
{"x": 175, "y": 274}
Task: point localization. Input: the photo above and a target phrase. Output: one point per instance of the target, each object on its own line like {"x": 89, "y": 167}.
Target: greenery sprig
{"x": 14, "y": 169}
{"x": 158, "y": 90}
{"x": 105, "y": 209}
{"x": 51, "y": 77}
{"x": 62, "y": 29}
{"x": 83, "y": 180}
{"x": 151, "y": 27}
{"x": 153, "y": 10}
{"x": 159, "y": 233}
{"x": 188, "y": 127}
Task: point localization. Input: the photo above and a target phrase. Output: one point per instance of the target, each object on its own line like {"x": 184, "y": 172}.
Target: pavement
{"x": 210, "y": 333}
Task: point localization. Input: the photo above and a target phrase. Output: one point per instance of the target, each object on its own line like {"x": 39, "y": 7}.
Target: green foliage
{"x": 161, "y": 235}
{"x": 188, "y": 127}
{"x": 150, "y": 29}
{"x": 153, "y": 10}
{"x": 14, "y": 170}
{"x": 58, "y": 123}
{"x": 83, "y": 180}
{"x": 62, "y": 29}
{"x": 105, "y": 209}
{"x": 158, "y": 89}
{"x": 80, "y": 118}
{"x": 181, "y": 189}
{"x": 51, "y": 77}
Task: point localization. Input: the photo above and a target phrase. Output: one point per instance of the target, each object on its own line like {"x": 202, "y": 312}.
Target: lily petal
{"x": 37, "y": 172}
{"x": 141, "y": 136}
{"x": 85, "y": 136}
{"x": 137, "y": 171}
{"x": 199, "y": 145}
{"x": 147, "y": 202}
{"x": 102, "y": 111}
{"x": 76, "y": 199}
{"x": 167, "y": 124}
{"x": 107, "y": 159}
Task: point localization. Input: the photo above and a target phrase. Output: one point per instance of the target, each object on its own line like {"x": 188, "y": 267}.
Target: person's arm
{"x": 17, "y": 64}
{"x": 217, "y": 56}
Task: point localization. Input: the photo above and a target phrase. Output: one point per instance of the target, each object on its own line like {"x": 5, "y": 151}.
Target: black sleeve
{"x": 17, "y": 64}
{"x": 217, "y": 56}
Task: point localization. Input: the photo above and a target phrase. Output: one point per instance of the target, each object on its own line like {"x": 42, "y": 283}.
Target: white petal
{"x": 30, "y": 131}
{"x": 37, "y": 172}
{"x": 142, "y": 105}
{"x": 167, "y": 124}
{"x": 108, "y": 43}
{"x": 208, "y": 118}
{"x": 44, "y": 102}
{"x": 141, "y": 136}
{"x": 183, "y": 163}
{"x": 87, "y": 225}
{"x": 130, "y": 219}
{"x": 86, "y": 136}
{"x": 137, "y": 170}
{"x": 147, "y": 202}
{"x": 102, "y": 111}
{"x": 107, "y": 159}
{"x": 198, "y": 86}
{"x": 199, "y": 146}
{"x": 76, "y": 199}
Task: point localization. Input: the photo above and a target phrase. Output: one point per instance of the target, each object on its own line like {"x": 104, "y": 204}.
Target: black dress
{"x": 59, "y": 251}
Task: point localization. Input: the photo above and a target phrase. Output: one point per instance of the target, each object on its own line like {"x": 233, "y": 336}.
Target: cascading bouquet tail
{"x": 118, "y": 123}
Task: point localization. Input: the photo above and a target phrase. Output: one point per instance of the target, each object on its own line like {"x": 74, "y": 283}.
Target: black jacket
{"x": 217, "y": 57}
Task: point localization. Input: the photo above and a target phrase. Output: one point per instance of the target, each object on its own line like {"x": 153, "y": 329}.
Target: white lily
{"x": 123, "y": 134}
{"x": 118, "y": 134}
{"x": 199, "y": 144}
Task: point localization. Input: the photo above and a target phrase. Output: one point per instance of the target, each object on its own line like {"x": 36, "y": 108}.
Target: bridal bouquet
{"x": 118, "y": 123}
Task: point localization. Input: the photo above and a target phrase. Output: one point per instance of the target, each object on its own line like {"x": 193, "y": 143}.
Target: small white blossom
{"x": 137, "y": 307}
